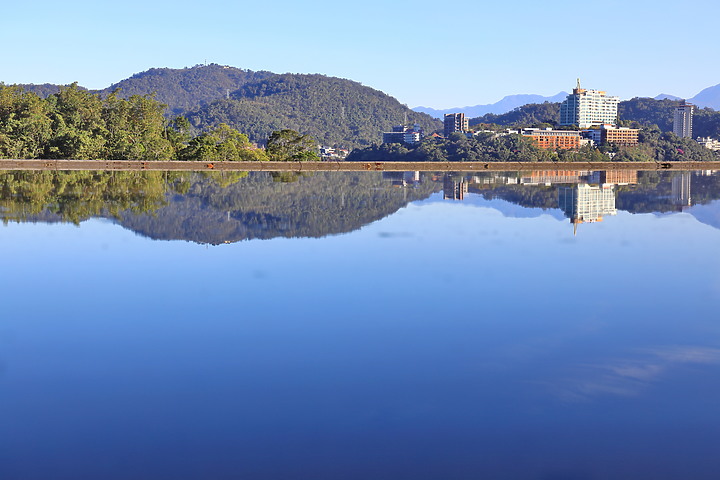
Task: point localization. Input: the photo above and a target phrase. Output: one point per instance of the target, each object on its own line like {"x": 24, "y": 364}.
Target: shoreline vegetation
{"x": 654, "y": 146}
{"x": 77, "y": 125}
{"x": 310, "y": 166}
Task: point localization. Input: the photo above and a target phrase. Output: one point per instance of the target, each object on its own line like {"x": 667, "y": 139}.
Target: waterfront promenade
{"x": 125, "y": 165}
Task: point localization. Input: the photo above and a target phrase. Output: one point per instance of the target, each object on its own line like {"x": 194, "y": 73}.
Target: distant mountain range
{"x": 709, "y": 97}
{"x": 665, "y": 96}
{"x": 508, "y": 103}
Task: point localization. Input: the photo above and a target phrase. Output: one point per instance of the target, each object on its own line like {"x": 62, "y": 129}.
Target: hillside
{"x": 186, "y": 88}
{"x": 333, "y": 110}
{"x": 180, "y": 89}
{"x": 529, "y": 114}
{"x": 648, "y": 111}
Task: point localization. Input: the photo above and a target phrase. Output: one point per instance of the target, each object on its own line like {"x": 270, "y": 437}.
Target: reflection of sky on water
{"x": 445, "y": 341}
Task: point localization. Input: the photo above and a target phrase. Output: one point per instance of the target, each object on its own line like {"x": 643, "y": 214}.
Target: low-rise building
{"x": 606, "y": 134}
{"x": 333, "y": 153}
{"x": 710, "y": 143}
{"x": 549, "y": 139}
{"x": 403, "y": 134}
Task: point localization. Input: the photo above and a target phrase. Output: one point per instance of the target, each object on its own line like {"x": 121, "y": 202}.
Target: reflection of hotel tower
{"x": 585, "y": 203}
{"x": 681, "y": 190}
{"x": 454, "y": 188}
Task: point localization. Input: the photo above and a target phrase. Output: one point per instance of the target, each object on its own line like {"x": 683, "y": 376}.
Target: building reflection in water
{"x": 584, "y": 196}
{"x": 585, "y": 203}
{"x": 680, "y": 195}
{"x": 454, "y": 187}
{"x": 402, "y": 179}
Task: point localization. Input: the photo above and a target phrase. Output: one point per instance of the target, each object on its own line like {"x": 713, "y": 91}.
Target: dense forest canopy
{"x": 526, "y": 115}
{"x": 335, "y": 111}
{"x": 187, "y": 88}
{"x": 77, "y": 124}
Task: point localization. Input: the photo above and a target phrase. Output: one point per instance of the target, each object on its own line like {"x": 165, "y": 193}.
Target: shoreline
{"x": 133, "y": 165}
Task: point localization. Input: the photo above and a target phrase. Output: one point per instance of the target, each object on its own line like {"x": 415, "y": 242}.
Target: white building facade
{"x": 682, "y": 121}
{"x": 585, "y": 108}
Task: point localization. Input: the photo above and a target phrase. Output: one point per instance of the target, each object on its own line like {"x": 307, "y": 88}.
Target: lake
{"x": 551, "y": 325}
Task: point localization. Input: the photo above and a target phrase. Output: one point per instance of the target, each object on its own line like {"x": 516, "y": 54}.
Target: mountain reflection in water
{"x": 226, "y": 207}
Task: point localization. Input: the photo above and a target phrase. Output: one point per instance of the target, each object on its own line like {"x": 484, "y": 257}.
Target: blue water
{"x": 448, "y": 340}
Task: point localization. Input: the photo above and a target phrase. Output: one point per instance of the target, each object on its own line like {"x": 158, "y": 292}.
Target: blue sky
{"x": 421, "y": 52}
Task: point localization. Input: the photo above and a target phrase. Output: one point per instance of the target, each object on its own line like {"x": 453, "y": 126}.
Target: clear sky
{"x": 421, "y": 52}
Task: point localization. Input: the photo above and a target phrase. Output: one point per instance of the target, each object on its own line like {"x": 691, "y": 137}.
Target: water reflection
{"x": 466, "y": 338}
{"x": 227, "y": 207}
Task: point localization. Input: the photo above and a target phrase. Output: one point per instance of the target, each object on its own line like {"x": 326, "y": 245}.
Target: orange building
{"x": 549, "y": 139}
{"x": 626, "y": 137}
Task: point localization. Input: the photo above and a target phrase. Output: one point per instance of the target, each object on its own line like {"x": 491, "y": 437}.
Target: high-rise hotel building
{"x": 585, "y": 108}
{"x": 682, "y": 122}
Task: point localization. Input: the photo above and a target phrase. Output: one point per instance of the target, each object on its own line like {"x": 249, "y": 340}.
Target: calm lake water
{"x": 547, "y": 325}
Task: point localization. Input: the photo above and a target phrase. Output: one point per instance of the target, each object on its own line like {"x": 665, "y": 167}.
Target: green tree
{"x": 78, "y": 126}
{"x": 24, "y": 124}
{"x": 289, "y": 145}
{"x": 221, "y": 144}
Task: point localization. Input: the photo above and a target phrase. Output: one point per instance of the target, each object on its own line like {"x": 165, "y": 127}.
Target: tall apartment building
{"x": 455, "y": 122}
{"x": 586, "y": 108}
{"x": 682, "y": 122}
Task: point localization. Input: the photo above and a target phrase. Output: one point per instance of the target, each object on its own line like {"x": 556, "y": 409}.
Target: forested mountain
{"x": 186, "y": 88}
{"x": 648, "y": 111}
{"x": 530, "y": 114}
{"x": 333, "y": 110}
{"x": 180, "y": 89}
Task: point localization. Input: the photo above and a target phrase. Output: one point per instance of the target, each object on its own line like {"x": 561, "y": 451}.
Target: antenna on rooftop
{"x": 578, "y": 81}
{"x": 405, "y": 119}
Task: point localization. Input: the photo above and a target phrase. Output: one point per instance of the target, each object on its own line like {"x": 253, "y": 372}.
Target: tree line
{"x": 77, "y": 124}
{"x": 488, "y": 147}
